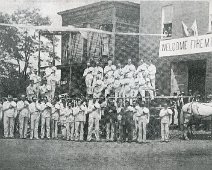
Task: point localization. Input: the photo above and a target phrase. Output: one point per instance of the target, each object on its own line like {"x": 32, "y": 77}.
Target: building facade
{"x": 109, "y": 16}
{"x": 176, "y": 73}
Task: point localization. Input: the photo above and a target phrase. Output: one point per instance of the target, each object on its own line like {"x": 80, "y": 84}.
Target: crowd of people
{"x": 125, "y": 82}
{"x": 41, "y": 114}
{"x": 123, "y": 122}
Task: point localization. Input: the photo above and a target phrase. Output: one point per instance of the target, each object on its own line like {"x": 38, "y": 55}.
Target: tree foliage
{"x": 17, "y": 46}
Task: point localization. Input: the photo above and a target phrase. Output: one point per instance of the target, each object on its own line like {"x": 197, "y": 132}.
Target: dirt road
{"x": 19, "y": 154}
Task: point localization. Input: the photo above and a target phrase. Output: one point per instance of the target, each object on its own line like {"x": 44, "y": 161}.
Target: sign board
{"x": 187, "y": 45}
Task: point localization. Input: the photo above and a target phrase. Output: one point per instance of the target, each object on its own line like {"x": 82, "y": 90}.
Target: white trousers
{"x": 45, "y": 126}
{"x": 110, "y": 129}
{"x": 53, "y": 87}
{"x": 8, "y": 127}
{"x": 152, "y": 81}
{"x": 54, "y": 128}
{"x": 93, "y": 126}
{"x": 164, "y": 131}
{"x": 151, "y": 94}
{"x": 117, "y": 92}
{"x": 141, "y": 131}
{"x": 79, "y": 130}
{"x": 142, "y": 92}
{"x": 135, "y": 130}
{"x": 34, "y": 126}
{"x": 23, "y": 125}
{"x": 70, "y": 130}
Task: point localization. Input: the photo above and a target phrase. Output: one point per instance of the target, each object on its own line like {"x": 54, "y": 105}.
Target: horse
{"x": 193, "y": 110}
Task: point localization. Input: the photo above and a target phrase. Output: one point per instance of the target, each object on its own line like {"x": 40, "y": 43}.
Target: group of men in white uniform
{"x": 41, "y": 87}
{"x": 124, "y": 123}
{"x": 126, "y": 82}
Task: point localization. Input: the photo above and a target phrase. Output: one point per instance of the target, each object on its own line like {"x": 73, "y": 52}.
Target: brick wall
{"x": 150, "y": 22}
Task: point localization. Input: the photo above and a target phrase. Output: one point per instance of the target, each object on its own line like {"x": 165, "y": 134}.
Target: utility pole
{"x": 39, "y": 34}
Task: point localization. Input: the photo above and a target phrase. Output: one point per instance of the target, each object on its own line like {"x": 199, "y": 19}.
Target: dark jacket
{"x": 110, "y": 114}
{"x": 127, "y": 116}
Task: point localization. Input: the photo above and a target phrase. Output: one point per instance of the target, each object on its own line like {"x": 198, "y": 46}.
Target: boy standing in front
{"x": 69, "y": 123}
{"x": 165, "y": 115}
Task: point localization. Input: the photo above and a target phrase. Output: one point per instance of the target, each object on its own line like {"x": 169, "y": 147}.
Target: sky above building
{"x": 47, "y": 7}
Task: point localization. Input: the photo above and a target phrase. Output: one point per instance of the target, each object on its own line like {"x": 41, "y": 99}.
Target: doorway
{"x": 196, "y": 76}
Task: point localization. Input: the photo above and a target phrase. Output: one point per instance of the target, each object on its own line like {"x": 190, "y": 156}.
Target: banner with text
{"x": 188, "y": 45}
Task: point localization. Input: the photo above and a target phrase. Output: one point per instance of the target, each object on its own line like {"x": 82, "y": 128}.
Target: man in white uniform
{"x": 152, "y": 72}
{"x": 79, "y": 112}
{"x": 46, "y": 108}
{"x": 31, "y": 91}
{"x": 55, "y": 118}
{"x": 36, "y": 80}
{"x": 118, "y": 75}
{"x": 9, "y": 114}
{"x": 69, "y": 122}
{"x": 97, "y": 74}
{"x": 34, "y": 109}
{"x": 1, "y": 112}
{"x": 134, "y": 85}
{"x": 98, "y": 88}
{"x": 45, "y": 90}
{"x": 94, "y": 111}
{"x": 109, "y": 76}
{"x": 165, "y": 115}
{"x": 88, "y": 74}
{"x": 142, "y": 115}
{"x": 52, "y": 81}
{"x": 149, "y": 88}
{"x": 128, "y": 72}
{"x": 63, "y": 117}
{"x": 142, "y": 70}
{"x": 23, "y": 112}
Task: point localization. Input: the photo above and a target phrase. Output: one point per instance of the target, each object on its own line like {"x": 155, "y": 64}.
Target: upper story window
{"x": 210, "y": 17}
{"x": 167, "y": 16}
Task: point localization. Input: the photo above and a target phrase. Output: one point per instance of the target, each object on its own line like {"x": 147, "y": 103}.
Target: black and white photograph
{"x": 105, "y": 85}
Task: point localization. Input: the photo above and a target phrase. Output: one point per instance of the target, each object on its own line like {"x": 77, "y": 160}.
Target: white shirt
{"x": 35, "y": 78}
{"x": 142, "y": 114}
{"x": 9, "y": 108}
{"x": 34, "y": 108}
{"x": 98, "y": 72}
{"x": 152, "y": 71}
{"x": 109, "y": 71}
{"x": 69, "y": 115}
{"x": 23, "y": 108}
{"x": 94, "y": 111}
{"x": 30, "y": 90}
{"x": 118, "y": 73}
{"x": 129, "y": 70}
{"x": 142, "y": 70}
{"x": 165, "y": 115}
{"x": 79, "y": 112}
{"x": 134, "y": 83}
{"x": 1, "y": 111}
{"x": 44, "y": 89}
{"x": 99, "y": 86}
{"x": 63, "y": 114}
{"x": 46, "y": 109}
{"x": 56, "y": 111}
{"x": 88, "y": 73}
